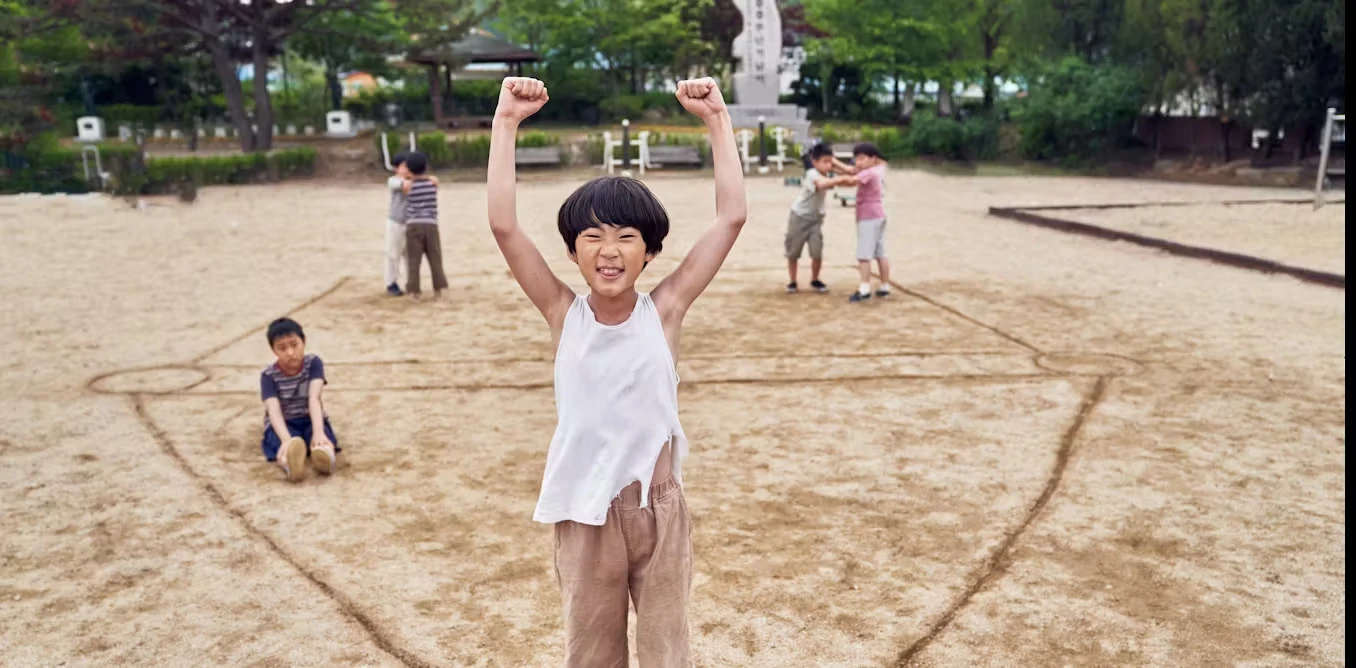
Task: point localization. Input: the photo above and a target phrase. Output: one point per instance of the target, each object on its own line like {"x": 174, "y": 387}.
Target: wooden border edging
{"x": 1023, "y": 215}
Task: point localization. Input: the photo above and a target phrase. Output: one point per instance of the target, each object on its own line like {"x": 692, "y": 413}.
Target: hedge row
{"x": 61, "y": 170}
{"x": 473, "y": 151}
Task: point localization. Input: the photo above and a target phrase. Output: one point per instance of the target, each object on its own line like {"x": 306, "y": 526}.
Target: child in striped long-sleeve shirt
{"x": 421, "y": 226}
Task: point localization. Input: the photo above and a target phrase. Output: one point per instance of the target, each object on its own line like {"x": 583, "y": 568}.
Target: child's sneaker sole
{"x": 323, "y": 460}
{"x": 296, "y": 459}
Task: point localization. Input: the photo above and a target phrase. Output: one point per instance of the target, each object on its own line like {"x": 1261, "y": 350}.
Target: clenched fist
{"x": 520, "y": 97}
{"x": 701, "y": 97}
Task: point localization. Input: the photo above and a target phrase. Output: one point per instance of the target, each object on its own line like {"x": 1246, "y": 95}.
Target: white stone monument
{"x": 757, "y": 84}
{"x": 339, "y": 124}
{"x": 219, "y": 132}
{"x": 125, "y": 132}
{"x": 89, "y": 128}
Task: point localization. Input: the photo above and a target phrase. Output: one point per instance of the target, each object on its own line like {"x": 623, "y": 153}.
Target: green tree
{"x": 901, "y": 39}
{"x": 360, "y": 38}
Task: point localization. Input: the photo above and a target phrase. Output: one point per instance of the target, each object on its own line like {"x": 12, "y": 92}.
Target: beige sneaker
{"x": 323, "y": 459}
{"x": 293, "y": 459}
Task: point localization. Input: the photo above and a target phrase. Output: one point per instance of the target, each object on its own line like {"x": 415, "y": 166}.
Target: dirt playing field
{"x": 1291, "y": 234}
{"x": 1043, "y": 450}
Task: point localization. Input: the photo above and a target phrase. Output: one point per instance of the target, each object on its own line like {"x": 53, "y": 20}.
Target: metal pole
{"x": 1323, "y": 158}
{"x": 386, "y": 153}
{"x": 626, "y": 147}
{"x": 762, "y": 145}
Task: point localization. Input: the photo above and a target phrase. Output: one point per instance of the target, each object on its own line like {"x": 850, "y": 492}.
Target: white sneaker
{"x": 323, "y": 460}
{"x": 294, "y": 459}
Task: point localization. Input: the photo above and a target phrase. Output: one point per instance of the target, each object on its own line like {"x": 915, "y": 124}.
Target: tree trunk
{"x": 990, "y": 46}
{"x": 235, "y": 95}
{"x": 825, "y": 73}
{"x": 945, "y": 104}
{"x": 1224, "y": 126}
{"x": 332, "y": 84}
{"x": 1158, "y": 132}
{"x": 988, "y": 88}
{"x": 435, "y": 93}
{"x": 896, "y": 105}
{"x": 906, "y": 106}
{"x": 263, "y": 104}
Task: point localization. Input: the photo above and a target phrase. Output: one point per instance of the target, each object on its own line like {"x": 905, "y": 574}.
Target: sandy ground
{"x": 1293, "y": 234}
{"x": 1045, "y": 450}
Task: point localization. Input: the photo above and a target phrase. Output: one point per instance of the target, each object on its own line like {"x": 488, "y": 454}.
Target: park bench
{"x": 537, "y": 155}
{"x": 674, "y": 155}
{"x": 843, "y": 152}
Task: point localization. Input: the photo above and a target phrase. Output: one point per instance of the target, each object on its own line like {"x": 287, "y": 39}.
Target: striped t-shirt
{"x": 422, "y": 206}
{"x": 293, "y": 392}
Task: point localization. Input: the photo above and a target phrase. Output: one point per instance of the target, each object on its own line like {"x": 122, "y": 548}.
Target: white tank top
{"x": 616, "y": 406}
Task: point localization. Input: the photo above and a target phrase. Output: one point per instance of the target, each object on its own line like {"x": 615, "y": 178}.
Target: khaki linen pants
{"x": 645, "y": 553}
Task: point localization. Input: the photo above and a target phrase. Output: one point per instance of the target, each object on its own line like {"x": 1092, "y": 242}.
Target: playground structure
{"x": 617, "y": 151}
{"x": 386, "y": 151}
{"x": 1333, "y": 133}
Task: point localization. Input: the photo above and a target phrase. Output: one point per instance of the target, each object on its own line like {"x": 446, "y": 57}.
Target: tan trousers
{"x": 645, "y": 553}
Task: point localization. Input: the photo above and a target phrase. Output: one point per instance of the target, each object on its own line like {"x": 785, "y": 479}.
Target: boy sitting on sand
{"x": 612, "y": 486}
{"x": 290, "y": 388}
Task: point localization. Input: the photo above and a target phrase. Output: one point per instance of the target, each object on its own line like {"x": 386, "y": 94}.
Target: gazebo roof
{"x": 478, "y": 46}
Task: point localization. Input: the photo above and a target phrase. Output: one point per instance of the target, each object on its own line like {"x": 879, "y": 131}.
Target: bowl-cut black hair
{"x": 615, "y": 201}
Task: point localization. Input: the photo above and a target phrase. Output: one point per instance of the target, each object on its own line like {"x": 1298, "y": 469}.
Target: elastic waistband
{"x": 629, "y": 498}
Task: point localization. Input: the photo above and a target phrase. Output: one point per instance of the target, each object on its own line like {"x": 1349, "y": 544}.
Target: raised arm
{"x": 678, "y": 290}
{"x": 519, "y": 98}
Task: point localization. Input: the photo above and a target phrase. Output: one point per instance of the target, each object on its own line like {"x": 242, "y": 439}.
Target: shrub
{"x": 536, "y": 139}
{"x": 178, "y": 174}
{"x": 942, "y": 137}
{"x": 623, "y": 106}
{"x": 979, "y": 138}
{"x": 1076, "y": 112}
{"x": 891, "y": 142}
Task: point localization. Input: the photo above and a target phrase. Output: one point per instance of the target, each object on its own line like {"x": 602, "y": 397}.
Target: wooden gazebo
{"x": 477, "y": 47}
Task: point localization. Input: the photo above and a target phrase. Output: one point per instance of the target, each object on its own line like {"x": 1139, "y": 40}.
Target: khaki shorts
{"x": 870, "y": 239}
{"x": 802, "y": 230}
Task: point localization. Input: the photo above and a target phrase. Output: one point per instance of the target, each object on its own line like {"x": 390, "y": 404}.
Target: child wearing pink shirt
{"x": 867, "y": 172}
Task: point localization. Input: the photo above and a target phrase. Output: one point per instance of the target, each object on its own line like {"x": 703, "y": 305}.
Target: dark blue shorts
{"x": 300, "y": 428}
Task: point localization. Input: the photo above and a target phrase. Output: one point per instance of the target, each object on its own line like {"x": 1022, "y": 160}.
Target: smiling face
{"x": 612, "y": 226}
{"x": 610, "y": 258}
